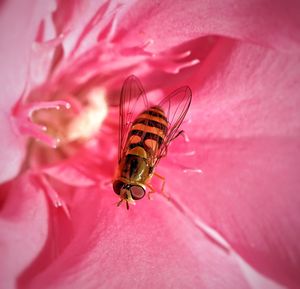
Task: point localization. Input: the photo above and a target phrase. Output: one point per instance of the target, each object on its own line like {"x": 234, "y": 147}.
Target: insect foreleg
{"x": 152, "y": 191}
{"x": 162, "y": 189}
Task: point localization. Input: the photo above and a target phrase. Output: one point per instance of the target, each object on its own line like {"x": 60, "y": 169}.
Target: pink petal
{"x": 12, "y": 150}
{"x": 24, "y": 228}
{"x": 150, "y": 246}
{"x": 244, "y": 133}
{"x": 270, "y": 23}
{"x": 15, "y": 46}
{"x": 243, "y": 158}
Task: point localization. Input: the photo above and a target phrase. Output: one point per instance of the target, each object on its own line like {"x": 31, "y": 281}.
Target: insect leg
{"x": 162, "y": 189}
{"x": 152, "y": 191}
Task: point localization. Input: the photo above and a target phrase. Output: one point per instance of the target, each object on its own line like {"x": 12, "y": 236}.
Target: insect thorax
{"x": 134, "y": 167}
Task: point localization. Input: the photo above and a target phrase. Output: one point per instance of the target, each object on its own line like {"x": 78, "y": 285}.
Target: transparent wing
{"x": 175, "y": 107}
{"x": 133, "y": 99}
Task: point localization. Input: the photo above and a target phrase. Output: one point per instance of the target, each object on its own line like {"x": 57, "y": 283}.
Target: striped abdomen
{"x": 148, "y": 131}
{"x": 146, "y": 136}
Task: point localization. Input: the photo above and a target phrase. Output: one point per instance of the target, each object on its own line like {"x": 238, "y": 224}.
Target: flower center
{"x": 88, "y": 120}
{"x": 61, "y": 126}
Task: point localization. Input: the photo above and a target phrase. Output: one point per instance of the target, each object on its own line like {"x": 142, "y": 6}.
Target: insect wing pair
{"x": 144, "y": 135}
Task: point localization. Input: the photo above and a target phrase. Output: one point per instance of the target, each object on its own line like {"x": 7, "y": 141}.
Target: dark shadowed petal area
{"x": 243, "y": 158}
{"x": 24, "y": 227}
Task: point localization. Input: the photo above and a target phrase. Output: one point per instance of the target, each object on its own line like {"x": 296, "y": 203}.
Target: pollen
{"x": 89, "y": 120}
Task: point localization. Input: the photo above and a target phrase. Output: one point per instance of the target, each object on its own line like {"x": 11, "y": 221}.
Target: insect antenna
{"x": 127, "y": 205}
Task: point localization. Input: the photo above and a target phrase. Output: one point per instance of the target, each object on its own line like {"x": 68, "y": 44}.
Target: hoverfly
{"x": 144, "y": 137}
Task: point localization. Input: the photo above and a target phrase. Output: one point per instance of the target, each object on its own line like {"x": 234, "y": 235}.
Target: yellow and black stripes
{"x": 148, "y": 130}
{"x": 151, "y": 123}
{"x": 156, "y": 113}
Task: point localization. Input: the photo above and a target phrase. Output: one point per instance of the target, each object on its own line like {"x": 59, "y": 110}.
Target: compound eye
{"x": 117, "y": 185}
{"x": 137, "y": 192}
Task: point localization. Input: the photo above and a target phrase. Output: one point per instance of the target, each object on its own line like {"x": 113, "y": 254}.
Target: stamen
{"x": 193, "y": 170}
{"x": 175, "y": 68}
{"x": 22, "y": 114}
{"x": 54, "y": 196}
{"x": 138, "y": 50}
{"x": 184, "y": 54}
{"x": 51, "y": 43}
{"x": 185, "y": 136}
{"x": 173, "y": 62}
{"x": 31, "y": 108}
{"x": 188, "y": 154}
{"x": 37, "y": 131}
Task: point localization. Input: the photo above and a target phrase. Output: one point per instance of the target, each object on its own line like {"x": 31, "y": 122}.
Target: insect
{"x": 144, "y": 138}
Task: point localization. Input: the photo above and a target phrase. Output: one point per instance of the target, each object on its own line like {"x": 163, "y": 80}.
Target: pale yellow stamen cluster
{"x": 88, "y": 122}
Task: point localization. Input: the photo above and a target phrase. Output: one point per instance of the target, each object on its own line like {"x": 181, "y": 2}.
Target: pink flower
{"x": 232, "y": 221}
